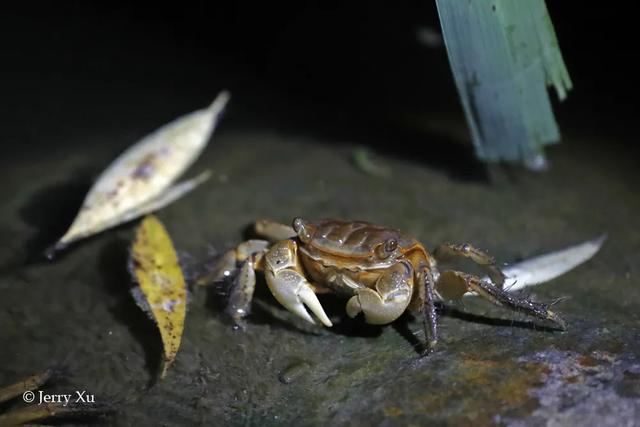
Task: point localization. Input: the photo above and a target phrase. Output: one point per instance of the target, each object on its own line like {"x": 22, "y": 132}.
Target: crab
{"x": 381, "y": 271}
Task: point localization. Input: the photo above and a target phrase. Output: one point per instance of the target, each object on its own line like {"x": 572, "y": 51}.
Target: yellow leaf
{"x": 158, "y": 273}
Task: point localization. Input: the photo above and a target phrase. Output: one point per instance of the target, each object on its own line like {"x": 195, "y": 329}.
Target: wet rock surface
{"x": 492, "y": 367}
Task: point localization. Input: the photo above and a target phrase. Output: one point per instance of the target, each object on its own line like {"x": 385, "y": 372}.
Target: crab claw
{"x": 388, "y": 301}
{"x": 377, "y": 311}
{"x": 293, "y": 291}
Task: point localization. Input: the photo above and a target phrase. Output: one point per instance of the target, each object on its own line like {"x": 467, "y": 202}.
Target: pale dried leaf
{"x": 136, "y": 182}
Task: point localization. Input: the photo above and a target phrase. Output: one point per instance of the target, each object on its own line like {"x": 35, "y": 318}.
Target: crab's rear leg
{"x": 227, "y": 265}
{"x": 273, "y": 231}
{"x": 454, "y": 284}
{"x": 449, "y": 251}
{"x": 241, "y": 294}
{"x": 429, "y": 316}
{"x": 239, "y": 263}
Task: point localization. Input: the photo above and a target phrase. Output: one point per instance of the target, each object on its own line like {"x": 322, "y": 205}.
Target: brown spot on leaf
{"x": 145, "y": 168}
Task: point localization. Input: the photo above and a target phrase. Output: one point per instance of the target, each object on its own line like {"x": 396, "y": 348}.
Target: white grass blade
{"x": 546, "y": 267}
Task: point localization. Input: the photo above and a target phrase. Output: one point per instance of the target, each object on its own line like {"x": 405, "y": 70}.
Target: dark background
{"x": 344, "y": 69}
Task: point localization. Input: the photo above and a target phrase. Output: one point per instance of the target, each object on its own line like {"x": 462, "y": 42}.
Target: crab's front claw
{"x": 387, "y": 301}
{"x": 293, "y": 291}
{"x": 377, "y": 311}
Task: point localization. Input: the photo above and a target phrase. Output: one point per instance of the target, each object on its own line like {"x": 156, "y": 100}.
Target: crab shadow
{"x": 262, "y": 310}
{"x": 117, "y": 282}
{"x": 345, "y": 325}
{"x": 265, "y": 310}
{"x": 456, "y": 313}
{"x": 416, "y": 340}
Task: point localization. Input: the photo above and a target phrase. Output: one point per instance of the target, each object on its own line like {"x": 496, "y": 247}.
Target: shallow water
{"x": 491, "y": 367}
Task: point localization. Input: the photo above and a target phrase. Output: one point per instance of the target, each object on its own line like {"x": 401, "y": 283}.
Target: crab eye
{"x": 390, "y": 245}
{"x": 384, "y": 250}
{"x": 301, "y": 230}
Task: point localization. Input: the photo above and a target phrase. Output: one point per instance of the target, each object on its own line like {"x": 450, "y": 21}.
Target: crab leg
{"x": 242, "y": 294}
{"x": 465, "y": 250}
{"x": 454, "y": 284}
{"x": 227, "y": 265}
{"x": 273, "y": 231}
{"x": 429, "y": 315}
{"x": 248, "y": 255}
